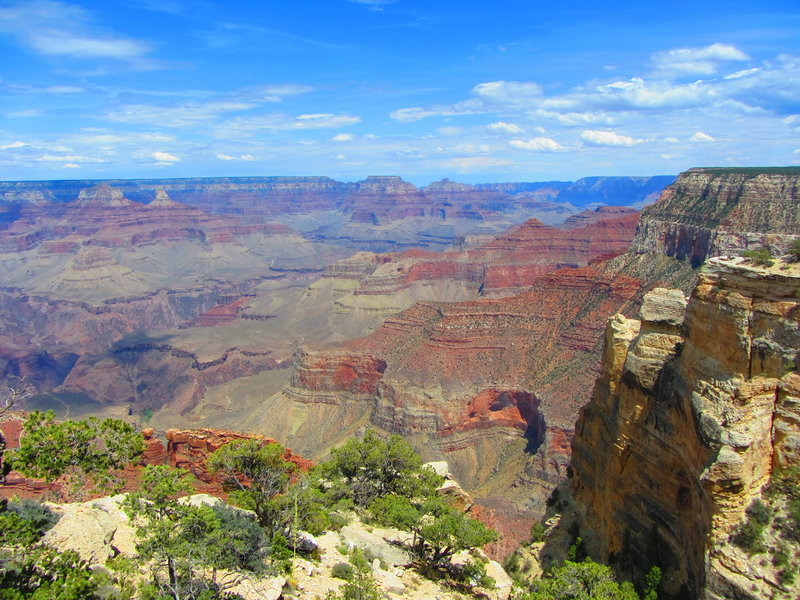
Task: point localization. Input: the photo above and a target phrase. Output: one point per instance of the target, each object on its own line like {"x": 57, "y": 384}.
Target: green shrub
{"x": 473, "y": 572}
{"x": 579, "y": 580}
{"x": 750, "y": 532}
{"x": 24, "y": 522}
{"x": 537, "y": 532}
{"x": 760, "y": 256}
{"x": 794, "y": 250}
{"x": 342, "y": 571}
{"x": 47, "y": 573}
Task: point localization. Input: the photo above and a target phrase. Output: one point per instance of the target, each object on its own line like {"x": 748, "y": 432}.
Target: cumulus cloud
{"x": 608, "y": 138}
{"x": 503, "y": 127}
{"x": 697, "y": 61}
{"x": 165, "y": 157}
{"x": 699, "y": 136}
{"x": 13, "y": 145}
{"x": 343, "y": 137}
{"x": 538, "y": 144}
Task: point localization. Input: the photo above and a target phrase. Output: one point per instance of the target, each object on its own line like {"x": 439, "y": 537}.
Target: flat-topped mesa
{"x": 718, "y": 212}
{"x": 686, "y": 424}
{"x": 385, "y": 184}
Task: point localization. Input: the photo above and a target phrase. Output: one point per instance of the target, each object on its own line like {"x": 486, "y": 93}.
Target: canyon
{"x": 472, "y": 320}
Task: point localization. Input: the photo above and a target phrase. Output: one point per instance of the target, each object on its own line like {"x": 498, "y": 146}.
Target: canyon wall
{"x": 718, "y": 212}
{"x": 688, "y": 420}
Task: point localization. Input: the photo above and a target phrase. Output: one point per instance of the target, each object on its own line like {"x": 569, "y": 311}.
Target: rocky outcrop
{"x": 190, "y": 448}
{"x": 718, "y": 212}
{"x": 686, "y": 424}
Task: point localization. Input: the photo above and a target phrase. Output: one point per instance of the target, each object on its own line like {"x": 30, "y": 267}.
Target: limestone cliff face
{"x": 687, "y": 422}
{"x": 717, "y": 212}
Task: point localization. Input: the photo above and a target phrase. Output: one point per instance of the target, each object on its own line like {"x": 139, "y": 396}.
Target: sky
{"x": 476, "y": 91}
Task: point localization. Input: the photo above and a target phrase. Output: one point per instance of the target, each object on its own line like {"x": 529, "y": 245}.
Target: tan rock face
{"x": 686, "y": 425}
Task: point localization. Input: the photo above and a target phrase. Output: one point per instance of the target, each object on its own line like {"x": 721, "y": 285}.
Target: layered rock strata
{"x": 718, "y": 212}
{"x": 687, "y": 422}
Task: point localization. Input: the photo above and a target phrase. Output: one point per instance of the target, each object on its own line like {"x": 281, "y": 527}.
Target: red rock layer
{"x": 513, "y": 260}
{"x": 115, "y": 223}
{"x": 190, "y": 448}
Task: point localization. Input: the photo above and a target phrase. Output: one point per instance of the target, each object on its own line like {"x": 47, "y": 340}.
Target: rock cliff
{"x": 717, "y": 212}
{"x": 688, "y": 420}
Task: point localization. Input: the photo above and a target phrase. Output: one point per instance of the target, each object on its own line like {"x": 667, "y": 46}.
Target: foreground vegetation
{"x": 194, "y": 552}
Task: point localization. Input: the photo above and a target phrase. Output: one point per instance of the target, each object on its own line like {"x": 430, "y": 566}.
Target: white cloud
{"x": 62, "y": 29}
{"x": 175, "y": 116}
{"x": 13, "y": 145}
{"x": 608, "y": 138}
{"x": 247, "y": 157}
{"x": 699, "y": 136}
{"x": 508, "y": 92}
{"x": 476, "y": 163}
{"x": 450, "y": 131}
{"x": 74, "y": 158}
{"x": 225, "y": 157}
{"x": 81, "y": 47}
{"x": 71, "y": 166}
{"x": 467, "y": 107}
{"x": 165, "y": 157}
{"x": 697, "y": 61}
{"x": 743, "y": 73}
{"x": 503, "y": 127}
{"x": 279, "y": 122}
{"x": 276, "y": 93}
{"x": 538, "y": 144}
{"x": 63, "y": 89}
{"x": 343, "y": 137}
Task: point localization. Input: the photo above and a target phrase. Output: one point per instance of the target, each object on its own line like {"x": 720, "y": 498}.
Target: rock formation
{"x": 190, "y": 448}
{"x": 718, "y": 212}
{"x": 687, "y": 422}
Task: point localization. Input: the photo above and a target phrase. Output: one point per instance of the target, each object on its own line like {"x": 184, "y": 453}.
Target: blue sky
{"x": 476, "y": 91}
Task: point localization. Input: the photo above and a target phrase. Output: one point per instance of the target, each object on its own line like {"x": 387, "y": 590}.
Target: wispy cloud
{"x": 190, "y": 113}
{"x": 58, "y": 28}
{"x": 697, "y": 61}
